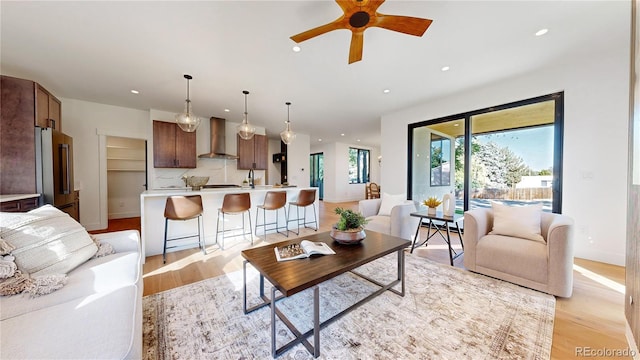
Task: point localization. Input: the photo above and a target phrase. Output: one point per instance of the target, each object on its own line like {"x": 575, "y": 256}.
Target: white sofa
{"x": 96, "y": 315}
{"x": 398, "y": 223}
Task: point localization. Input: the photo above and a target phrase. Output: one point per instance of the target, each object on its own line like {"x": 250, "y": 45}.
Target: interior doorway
{"x": 316, "y": 164}
{"x": 126, "y": 176}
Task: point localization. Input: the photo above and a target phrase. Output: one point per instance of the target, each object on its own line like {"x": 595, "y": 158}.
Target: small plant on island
{"x": 432, "y": 202}
{"x": 349, "y": 220}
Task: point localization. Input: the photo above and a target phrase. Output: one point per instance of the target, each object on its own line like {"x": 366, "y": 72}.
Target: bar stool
{"x": 305, "y": 198}
{"x": 273, "y": 200}
{"x": 182, "y": 208}
{"x": 234, "y": 204}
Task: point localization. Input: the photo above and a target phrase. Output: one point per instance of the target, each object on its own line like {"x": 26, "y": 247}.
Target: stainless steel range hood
{"x": 218, "y": 143}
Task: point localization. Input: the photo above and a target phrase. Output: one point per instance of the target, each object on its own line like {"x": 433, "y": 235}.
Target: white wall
{"x": 89, "y": 123}
{"x": 336, "y": 171}
{"x": 596, "y": 115}
{"x": 298, "y": 161}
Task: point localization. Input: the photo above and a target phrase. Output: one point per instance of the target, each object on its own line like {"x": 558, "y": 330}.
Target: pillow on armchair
{"x": 517, "y": 221}
{"x": 389, "y": 201}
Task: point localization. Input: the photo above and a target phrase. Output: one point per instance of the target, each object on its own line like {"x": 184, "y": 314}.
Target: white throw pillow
{"x": 517, "y": 221}
{"x": 46, "y": 241}
{"x": 389, "y": 201}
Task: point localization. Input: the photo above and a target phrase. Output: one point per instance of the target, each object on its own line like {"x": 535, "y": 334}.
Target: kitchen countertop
{"x": 186, "y": 191}
{"x": 14, "y": 197}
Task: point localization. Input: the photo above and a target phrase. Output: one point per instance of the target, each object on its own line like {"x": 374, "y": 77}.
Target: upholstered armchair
{"x": 545, "y": 265}
{"x": 392, "y": 219}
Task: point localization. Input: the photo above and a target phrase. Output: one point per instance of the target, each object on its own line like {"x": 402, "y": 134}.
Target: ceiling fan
{"x": 359, "y": 15}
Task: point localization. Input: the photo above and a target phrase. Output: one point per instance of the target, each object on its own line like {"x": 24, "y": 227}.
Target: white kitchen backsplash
{"x": 219, "y": 171}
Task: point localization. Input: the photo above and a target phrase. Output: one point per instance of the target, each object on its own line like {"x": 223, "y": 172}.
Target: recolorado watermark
{"x": 586, "y": 351}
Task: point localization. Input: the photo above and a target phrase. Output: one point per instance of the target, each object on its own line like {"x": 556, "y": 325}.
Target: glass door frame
{"x": 558, "y": 134}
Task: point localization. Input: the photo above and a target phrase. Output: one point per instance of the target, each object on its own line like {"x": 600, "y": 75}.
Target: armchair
{"x": 546, "y": 265}
{"x": 398, "y": 223}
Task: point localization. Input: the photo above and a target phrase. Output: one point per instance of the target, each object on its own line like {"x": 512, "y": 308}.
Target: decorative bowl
{"x": 348, "y": 237}
{"x": 196, "y": 182}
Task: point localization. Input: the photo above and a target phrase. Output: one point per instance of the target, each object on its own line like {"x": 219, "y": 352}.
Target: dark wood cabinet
{"x": 17, "y": 138}
{"x": 48, "y": 109}
{"x": 22, "y": 205}
{"x": 252, "y": 153}
{"x": 172, "y": 147}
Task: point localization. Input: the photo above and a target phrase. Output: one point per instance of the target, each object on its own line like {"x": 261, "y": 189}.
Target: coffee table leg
{"x": 316, "y": 322}
{"x": 273, "y": 321}
{"x": 401, "y": 270}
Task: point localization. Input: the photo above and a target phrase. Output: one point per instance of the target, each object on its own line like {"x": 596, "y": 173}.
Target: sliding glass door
{"x": 510, "y": 153}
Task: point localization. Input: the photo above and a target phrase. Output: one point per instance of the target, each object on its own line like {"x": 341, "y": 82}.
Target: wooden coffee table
{"x": 293, "y": 276}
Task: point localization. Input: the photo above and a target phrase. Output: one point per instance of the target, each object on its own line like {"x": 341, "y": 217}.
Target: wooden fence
{"x": 537, "y": 193}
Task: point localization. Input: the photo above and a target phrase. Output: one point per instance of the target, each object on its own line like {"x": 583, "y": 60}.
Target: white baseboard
{"x": 122, "y": 215}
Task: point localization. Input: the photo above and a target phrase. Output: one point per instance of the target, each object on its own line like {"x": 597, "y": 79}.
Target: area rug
{"x": 446, "y": 313}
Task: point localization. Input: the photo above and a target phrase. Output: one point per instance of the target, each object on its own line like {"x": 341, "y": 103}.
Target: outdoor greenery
{"x": 349, "y": 219}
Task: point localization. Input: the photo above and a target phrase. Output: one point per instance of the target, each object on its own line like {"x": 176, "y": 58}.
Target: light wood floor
{"x": 593, "y": 317}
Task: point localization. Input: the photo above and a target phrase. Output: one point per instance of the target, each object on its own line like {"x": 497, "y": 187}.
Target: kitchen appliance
{"x": 218, "y": 143}
{"x": 54, "y": 170}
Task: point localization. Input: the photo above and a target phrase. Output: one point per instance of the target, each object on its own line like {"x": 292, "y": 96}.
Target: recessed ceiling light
{"x": 227, "y": 110}
{"x": 542, "y": 32}
{"x": 319, "y": 139}
{"x": 445, "y": 68}
{"x": 296, "y": 48}
{"x": 358, "y": 140}
{"x": 342, "y": 134}
{"x": 135, "y": 92}
{"x": 386, "y": 91}
{"x": 456, "y": 124}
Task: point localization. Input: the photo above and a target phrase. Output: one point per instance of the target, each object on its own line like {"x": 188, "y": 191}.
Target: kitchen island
{"x": 152, "y": 203}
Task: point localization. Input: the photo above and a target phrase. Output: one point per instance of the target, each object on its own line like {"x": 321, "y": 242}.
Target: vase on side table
{"x": 431, "y": 211}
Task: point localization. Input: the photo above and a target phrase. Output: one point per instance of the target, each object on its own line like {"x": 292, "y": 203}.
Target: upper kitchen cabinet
{"x": 252, "y": 153}
{"x": 48, "y": 109}
{"x": 172, "y": 147}
{"x": 17, "y": 138}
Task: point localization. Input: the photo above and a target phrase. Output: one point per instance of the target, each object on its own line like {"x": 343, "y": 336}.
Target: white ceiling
{"x": 99, "y": 51}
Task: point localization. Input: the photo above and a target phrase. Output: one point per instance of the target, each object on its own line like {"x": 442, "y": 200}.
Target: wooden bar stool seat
{"x": 234, "y": 204}
{"x": 306, "y": 198}
{"x": 273, "y": 200}
{"x": 182, "y": 208}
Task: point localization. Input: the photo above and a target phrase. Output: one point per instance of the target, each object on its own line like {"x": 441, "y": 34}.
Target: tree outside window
{"x": 359, "y": 164}
{"x": 440, "y": 161}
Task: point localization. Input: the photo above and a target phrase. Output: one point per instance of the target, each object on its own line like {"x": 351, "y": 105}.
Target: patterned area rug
{"x": 446, "y": 313}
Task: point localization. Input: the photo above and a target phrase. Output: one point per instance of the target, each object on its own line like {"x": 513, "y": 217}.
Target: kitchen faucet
{"x": 251, "y": 181}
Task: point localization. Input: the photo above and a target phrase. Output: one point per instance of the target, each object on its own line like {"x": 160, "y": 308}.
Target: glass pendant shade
{"x": 246, "y": 130}
{"x": 187, "y": 121}
{"x": 287, "y": 135}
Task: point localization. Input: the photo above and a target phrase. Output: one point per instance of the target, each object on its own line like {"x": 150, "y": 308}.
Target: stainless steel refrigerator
{"x": 54, "y": 170}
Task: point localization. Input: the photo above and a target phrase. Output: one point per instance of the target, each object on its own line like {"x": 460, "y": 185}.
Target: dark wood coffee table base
{"x": 317, "y": 325}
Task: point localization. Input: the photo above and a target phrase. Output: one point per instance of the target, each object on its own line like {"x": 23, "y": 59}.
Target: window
{"x": 358, "y": 166}
{"x": 440, "y": 161}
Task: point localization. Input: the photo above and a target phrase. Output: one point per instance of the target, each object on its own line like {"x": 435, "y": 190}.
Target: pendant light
{"x": 187, "y": 121}
{"x": 246, "y": 130}
{"x": 287, "y": 135}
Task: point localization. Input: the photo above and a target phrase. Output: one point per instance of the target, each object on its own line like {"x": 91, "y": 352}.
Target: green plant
{"x": 349, "y": 219}
{"x": 432, "y": 202}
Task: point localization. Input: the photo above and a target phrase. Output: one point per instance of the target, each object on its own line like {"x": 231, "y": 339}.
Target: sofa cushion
{"x": 98, "y": 326}
{"x": 389, "y": 201}
{"x": 46, "y": 241}
{"x": 518, "y": 221}
{"x": 98, "y": 275}
{"x": 519, "y": 257}
{"x": 381, "y": 224}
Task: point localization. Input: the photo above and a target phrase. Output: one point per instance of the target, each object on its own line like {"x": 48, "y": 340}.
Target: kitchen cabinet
{"x": 172, "y": 147}
{"x": 252, "y": 153}
{"x": 48, "y": 109}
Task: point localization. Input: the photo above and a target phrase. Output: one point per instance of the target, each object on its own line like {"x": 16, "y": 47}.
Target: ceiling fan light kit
{"x": 187, "y": 121}
{"x": 246, "y": 130}
{"x": 287, "y": 135}
{"x": 359, "y": 15}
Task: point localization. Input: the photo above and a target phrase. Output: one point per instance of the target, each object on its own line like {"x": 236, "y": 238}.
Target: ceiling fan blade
{"x": 318, "y": 31}
{"x": 404, "y": 24}
{"x": 355, "y": 51}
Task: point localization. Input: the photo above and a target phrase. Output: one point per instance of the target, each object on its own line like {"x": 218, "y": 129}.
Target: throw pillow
{"x": 389, "y": 201}
{"x": 517, "y": 221}
{"x": 46, "y": 241}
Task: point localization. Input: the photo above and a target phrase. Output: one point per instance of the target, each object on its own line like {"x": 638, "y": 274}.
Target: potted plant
{"x": 350, "y": 227}
{"x": 432, "y": 203}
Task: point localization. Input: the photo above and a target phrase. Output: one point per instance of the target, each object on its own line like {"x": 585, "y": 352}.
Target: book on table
{"x": 302, "y": 250}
